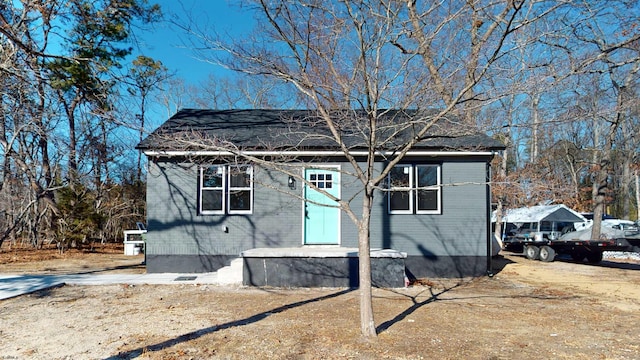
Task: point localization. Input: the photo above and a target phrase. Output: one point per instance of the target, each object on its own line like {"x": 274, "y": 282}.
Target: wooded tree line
{"x": 569, "y": 111}
{"x": 562, "y": 92}
{"x": 65, "y": 75}
{"x": 556, "y": 81}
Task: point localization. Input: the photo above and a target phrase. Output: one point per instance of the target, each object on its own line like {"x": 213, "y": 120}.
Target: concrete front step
{"x": 232, "y": 274}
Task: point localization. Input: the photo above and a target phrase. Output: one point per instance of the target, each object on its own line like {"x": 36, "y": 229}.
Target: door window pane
{"x": 321, "y": 180}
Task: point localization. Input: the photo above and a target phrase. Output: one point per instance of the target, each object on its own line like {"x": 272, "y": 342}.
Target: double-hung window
{"x": 415, "y": 189}
{"x": 226, "y": 189}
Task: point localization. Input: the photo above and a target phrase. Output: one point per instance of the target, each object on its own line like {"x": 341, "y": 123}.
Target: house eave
{"x": 302, "y": 153}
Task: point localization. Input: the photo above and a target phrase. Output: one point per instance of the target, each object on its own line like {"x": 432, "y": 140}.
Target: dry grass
{"x": 558, "y": 314}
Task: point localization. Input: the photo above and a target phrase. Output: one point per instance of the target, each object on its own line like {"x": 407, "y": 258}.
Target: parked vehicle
{"x": 542, "y": 232}
{"x": 545, "y": 229}
{"x": 577, "y": 244}
{"x": 629, "y": 227}
{"x": 541, "y": 222}
{"x": 626, "y": 229}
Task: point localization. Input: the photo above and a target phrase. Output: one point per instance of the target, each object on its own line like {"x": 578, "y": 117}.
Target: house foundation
{"x": 320, "y": 267}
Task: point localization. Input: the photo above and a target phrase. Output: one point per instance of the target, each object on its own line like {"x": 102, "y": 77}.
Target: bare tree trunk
{"x": 602, "y": 176}
{"x": 497, "y": 232}
{"x": 535, "y": 127}
{"x": 625, "y": 186}
{"x": 367, "y": 322}
{"x": 598, "y": 195}
{"x": 141, "y": 136}
{"x": 500, "y": 195}
{"x": 637, "y": 176}
{"x": 70, "y": 109}
{"x": 628, "y": 153}
{"x": 574, "y": 176}
{"x": 73, "y": 157}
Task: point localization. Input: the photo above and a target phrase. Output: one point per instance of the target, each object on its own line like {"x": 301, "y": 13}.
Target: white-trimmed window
{"x": 415, "y": 189}
{"x": 226, "y": 189}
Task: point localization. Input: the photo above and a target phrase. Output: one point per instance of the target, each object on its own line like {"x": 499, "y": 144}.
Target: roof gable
{"x": 305, "y": 130}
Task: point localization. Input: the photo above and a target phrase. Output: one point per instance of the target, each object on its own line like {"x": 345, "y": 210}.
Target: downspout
{"x": 488, "y": 216}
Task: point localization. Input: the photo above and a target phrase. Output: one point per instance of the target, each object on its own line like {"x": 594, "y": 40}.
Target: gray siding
{"x": 460, "y": 230}
{"x": 176, "y": 228}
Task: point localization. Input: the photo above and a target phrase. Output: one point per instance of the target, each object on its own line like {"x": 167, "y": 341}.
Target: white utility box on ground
{"x": 134, "y": 240}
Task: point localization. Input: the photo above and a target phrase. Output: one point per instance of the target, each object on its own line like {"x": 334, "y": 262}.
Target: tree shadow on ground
{"x": 202, "y": 332}
{"x": 139, "y": 267}
{"x": 415, "y": 306}
{"x": 435, "y": 294}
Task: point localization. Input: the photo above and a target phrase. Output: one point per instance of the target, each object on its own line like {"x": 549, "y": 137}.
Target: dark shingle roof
{"x": 192, "y": 129}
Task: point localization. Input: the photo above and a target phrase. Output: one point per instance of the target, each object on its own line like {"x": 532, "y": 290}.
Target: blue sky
{"x": 167, "y": 44}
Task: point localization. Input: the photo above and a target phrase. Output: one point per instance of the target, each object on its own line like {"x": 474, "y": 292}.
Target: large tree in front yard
{"x": 368, "y": 56}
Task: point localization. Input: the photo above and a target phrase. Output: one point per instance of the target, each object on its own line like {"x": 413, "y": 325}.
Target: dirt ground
{"x": 528, "y": 310}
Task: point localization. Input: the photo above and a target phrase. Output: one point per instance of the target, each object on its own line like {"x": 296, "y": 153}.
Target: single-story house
{"x": 207, "y": 205}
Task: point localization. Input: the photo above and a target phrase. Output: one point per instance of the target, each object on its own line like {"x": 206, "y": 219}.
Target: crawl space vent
{"x": 185, "y": 278}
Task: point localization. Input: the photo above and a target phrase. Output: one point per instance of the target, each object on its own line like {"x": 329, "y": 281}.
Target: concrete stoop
{"x": 232, "y": 274}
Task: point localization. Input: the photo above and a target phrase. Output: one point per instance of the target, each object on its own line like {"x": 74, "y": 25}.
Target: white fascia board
{"x": 314, "y": 153}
